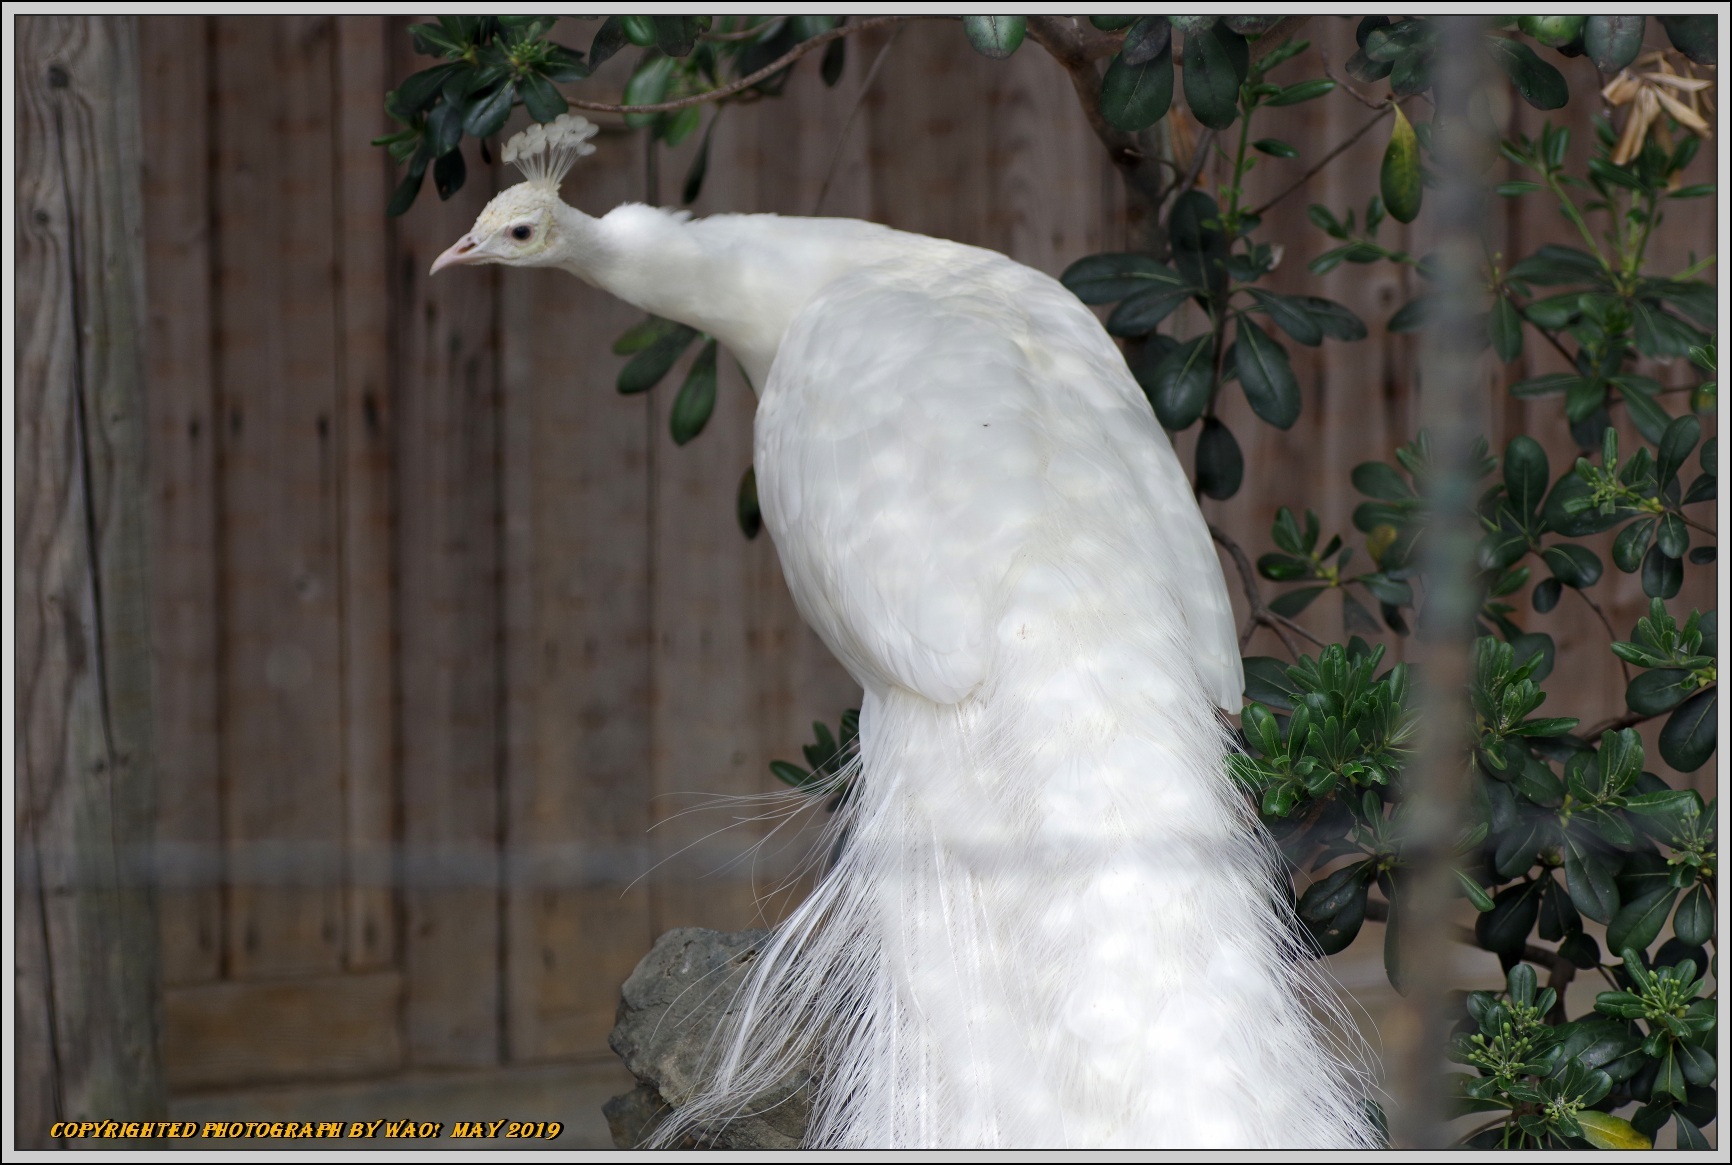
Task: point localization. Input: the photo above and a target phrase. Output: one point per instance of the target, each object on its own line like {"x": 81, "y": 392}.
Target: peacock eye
{"x": 522, "y": 233}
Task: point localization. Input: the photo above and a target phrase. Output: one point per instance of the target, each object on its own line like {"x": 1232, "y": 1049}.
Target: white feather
{"x": 1053, "y": 921}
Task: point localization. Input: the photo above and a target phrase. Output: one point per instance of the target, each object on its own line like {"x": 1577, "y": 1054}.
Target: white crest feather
{"x": 544, "y": 153}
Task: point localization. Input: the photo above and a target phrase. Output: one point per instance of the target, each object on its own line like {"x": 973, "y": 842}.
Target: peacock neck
{"x": 738, "y": 278}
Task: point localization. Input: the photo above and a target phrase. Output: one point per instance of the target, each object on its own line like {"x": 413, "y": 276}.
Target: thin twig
{"x": 763, "y": 74}
{"x": 1261, "y": 615}
{"x": 1326, "y": 159}
{"x": 1627, "y": 720}
{"x": 1698, "y": 525}
{"x": 1329, "y": 71}
{"x": 1601, "y": 612}
{"x": 859, "y": 102}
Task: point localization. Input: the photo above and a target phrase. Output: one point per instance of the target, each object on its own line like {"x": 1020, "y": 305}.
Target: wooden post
{"x": 87, "y": 986}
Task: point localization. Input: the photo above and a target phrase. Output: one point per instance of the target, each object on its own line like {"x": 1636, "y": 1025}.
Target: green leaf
{"x": 609, "y": 39}
{"x": 995, "y": 36}
{"x": 697, "y": 397}
{"x": 1220, "y": 464}
{"x": 1147, "y": 39}
{"x": 1662, "y": 575}
{"x": 790, "y": 774}
{"x": 1413, "y": 315}
{"x": 404, "y": 196}
{"x": 647, "y": 86}
{"x": 1526, "y": 474}
{"x": 1274, "y": 147}
{"x": 1337, "y": 322}
{"x": 1267, "y": 682}
{"x": 1378, "y": 479}
{"x": 1691, "y": 735}
{"x": 1265, "y": 375}
{"x": 746, "y": 511}
{"x": 1591, "y": 878}
{"x": 1546, "y": 595}
{"x": 1475, "y": 892}
{"x": 1649, "y": 415}
{"x": 1675, "y": 446}
{"x": 1505, "y": 927}
{"x": 1399, "y": 179}
{"x": 1113, "y": 276}
{"x": 1212, "y": 75}
{"x": 449, "y": 173}
{"x": 1506, "y": 330}
{"x": 1637, "y": 924}
{"x": 1200, "y": 247}
{"x": 1540, "y": 85}
{"x": 1602, "y": 1130}
{"x": 540, "y": 98}
{"x": 1301, "y": 91}
{"x": 1612, "y": 42}
{"x": 1697, "y": 1063}
{"x": 1142, "y": 313}
{"x": 639, "y": 29}
{"x": 1290, "y": 316}
{"x": 1653, "y": 692}
{"x": 420, "y": 90}
{"x": 1694, "y": 922}
{"x": 1670, "y": 1080}
{"x": 1660, "y": 334}
{"x": 1180, "y": 386}
{"x": 694, "y": 183}
{"x": 1632, "y": 544}
{"x": 835, "y": 60}
{"x": 1697, "y": 37}
{"x": 1294, "y": 601}
{"x": 1134, "y": 97}
{"x": 1671, "y": 536}
{"x": 1573, "y": 565}
{"x": 486, "y": 114}
{"x": 674, "y": 128}
{"x": 646, "y": 369}
{"x": 1553, "y": 264}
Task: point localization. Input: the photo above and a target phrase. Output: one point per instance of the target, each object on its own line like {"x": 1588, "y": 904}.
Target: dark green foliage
{"x": 1564, "y": 829}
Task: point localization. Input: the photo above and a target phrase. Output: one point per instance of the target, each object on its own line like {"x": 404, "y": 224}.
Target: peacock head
{"x": 523, "y": 225}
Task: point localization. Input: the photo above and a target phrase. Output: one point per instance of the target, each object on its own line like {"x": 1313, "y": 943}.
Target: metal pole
{"x": 1451, "y": 408}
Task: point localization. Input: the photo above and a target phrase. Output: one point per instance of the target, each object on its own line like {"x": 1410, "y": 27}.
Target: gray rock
{"x": 669, "y": 1011}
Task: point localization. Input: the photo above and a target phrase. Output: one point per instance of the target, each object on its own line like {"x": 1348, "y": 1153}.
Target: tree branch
{"x": 1260, "y": 615}
{"x": 1326, "y": 159}
{"x": 763, "y": 74}
{"x": 1601, "y": 612}
{"x": 1627, "y": 720}
{"x": 1076, "y": 47}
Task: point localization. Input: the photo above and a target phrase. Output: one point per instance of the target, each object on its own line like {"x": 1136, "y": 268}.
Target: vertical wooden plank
{"x": 174, "y": 106}
{"x": 89, "y": 970}
{"x": 277, "y": 355}
{"x": 448, "y": 610}
{"x": 363, "y": 439}
{"x": 577, "y": 523}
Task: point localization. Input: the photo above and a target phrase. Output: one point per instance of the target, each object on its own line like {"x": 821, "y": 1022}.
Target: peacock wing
{"x": 931, "y": 429}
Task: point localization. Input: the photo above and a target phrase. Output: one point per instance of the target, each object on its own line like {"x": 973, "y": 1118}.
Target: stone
{"x": 669, "y": 1011}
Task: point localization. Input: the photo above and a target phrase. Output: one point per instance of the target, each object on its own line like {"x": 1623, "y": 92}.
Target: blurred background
{"x": 452, "y": 646}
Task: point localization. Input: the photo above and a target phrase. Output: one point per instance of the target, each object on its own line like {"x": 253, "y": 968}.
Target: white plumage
{"x": 1053, "y": 922}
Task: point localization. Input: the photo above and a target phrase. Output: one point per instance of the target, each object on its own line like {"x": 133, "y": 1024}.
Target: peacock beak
{"x": 466, "y": 250}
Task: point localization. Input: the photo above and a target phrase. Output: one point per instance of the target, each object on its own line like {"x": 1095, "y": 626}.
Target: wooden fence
{"x": 444, "y": 627}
